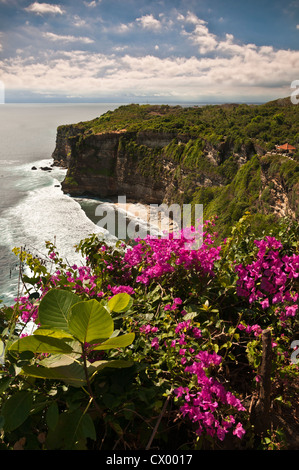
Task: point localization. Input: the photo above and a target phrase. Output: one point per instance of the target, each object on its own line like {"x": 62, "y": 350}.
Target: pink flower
{"x": 155, "y": 343}
{"x": 147, "y": 329}
{"x": 265, "y": 303}
{"x": 239, "y": 431}
{"x": 291, "y": 310}
{"x": 122, "y": 289}
{"x": 221, "y": 433}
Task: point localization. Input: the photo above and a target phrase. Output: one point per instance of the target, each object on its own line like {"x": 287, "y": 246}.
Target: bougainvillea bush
{"x": 153, "y": 344}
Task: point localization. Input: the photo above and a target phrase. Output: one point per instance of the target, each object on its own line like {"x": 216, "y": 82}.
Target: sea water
{"x": 33, "y": 208}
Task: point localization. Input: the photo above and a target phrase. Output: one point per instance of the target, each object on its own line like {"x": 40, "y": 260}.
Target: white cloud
{"x": 92, "y": 4}
{"x": 59, "y": 37}
{"x": 149, "y": 22}
{"x": 250, "y": 72}
{"x": 122, "y": 28}
{"x": 192, "y": 18}
{"x": 117, "y": 28}
{"x": 223, "y": 68}
{"x": 180, "y": 17}
{"x": 201, "y": 35}
{"x": 78, "y": 22}
{"x": 42, "y": 8}
{"x": 297, "y": 26}
{"x": 120, "y": 48}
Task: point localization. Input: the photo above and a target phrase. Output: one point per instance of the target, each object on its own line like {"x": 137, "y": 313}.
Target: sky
{"x": 155, "y": 51}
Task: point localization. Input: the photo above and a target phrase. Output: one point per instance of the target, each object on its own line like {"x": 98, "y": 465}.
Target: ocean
{"x": 33, "y": 207}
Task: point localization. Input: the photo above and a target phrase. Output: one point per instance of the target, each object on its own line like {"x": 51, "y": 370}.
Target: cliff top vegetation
{"x": 269, "y": 124}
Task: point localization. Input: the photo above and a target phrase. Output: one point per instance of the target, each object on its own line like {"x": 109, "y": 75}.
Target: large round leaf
{"x": 41, "y": 344}
{"x": 89, "y": 321}
{"x": 54, "y": 333}
{"x": 54, "y": 308}
{"x": 72, "y": 373}
{"x": 120, "y": 302}
{"x": 117, "y": 342}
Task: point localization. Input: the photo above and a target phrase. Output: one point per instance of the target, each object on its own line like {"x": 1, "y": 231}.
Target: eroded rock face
{"x": 134, "y": 164}
{"x": 280, "y": 199}
{"x": 103, "y": 167}
{"x": 63, "y": 149}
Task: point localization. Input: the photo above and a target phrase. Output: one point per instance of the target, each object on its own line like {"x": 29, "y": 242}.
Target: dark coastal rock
{"x": 33, "y": 168}
{"x": 46, "y": 168}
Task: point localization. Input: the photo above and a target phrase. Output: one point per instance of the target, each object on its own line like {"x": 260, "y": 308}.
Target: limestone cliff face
{"x": 278, "y": 190}
{"x": 140, "y": 165}
{"x": 101, "y": 165}
{"x": 64, "y": 140}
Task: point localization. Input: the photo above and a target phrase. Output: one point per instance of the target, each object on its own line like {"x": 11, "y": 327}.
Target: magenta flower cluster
{"x": 208, "y": 404}
{"x": 269, "y": 279}
{"x": 27, "y": 310}
{"x": 79, "y": 278}
{"x": 202, "y": 405}
{"x": 158, "y": 257}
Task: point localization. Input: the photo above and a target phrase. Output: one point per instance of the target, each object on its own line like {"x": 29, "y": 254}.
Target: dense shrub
{"x": 158, "y": 343}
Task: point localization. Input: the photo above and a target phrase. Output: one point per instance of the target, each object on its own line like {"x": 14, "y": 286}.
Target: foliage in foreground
{"x": 152, "y": 345}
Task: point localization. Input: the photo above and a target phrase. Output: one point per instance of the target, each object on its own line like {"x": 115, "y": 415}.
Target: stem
{"x": 158, "y": 423}
{"x": 262, "y": 408}
{"x": 88, "y": 382}
{"x": 20, "y": 270}
{"x": 232, "y": 335}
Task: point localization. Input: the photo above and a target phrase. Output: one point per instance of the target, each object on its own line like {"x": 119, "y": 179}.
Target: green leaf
{"x": 115, "y": 364}
{"x": 54, "y": 333}
{"x": 87, "y": 427}
{"x": 54, "y": 308}
{"x": 2, "y": 422}
{"x": 65, "y": 435}
{"x": 30, "y": 280}
{"x": 117, "y": 342}
{"x": 52, "y": 415}
{"x": 40, "y": 344}
{"x": 16, "y": 410}
{"x": 190, "y": 316}
{"x": 71, "y": 431}
{"x": 5, "y": 383}
{"x": 120, "y": 302}
{"x": 90, "y": 321}
{"x": 72, "y": 374}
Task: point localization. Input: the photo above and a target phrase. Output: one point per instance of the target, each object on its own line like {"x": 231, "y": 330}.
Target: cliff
{"x": 105, "y": 165}
{"x": 146, "y": 166}
{"x": 155, "y": 154}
